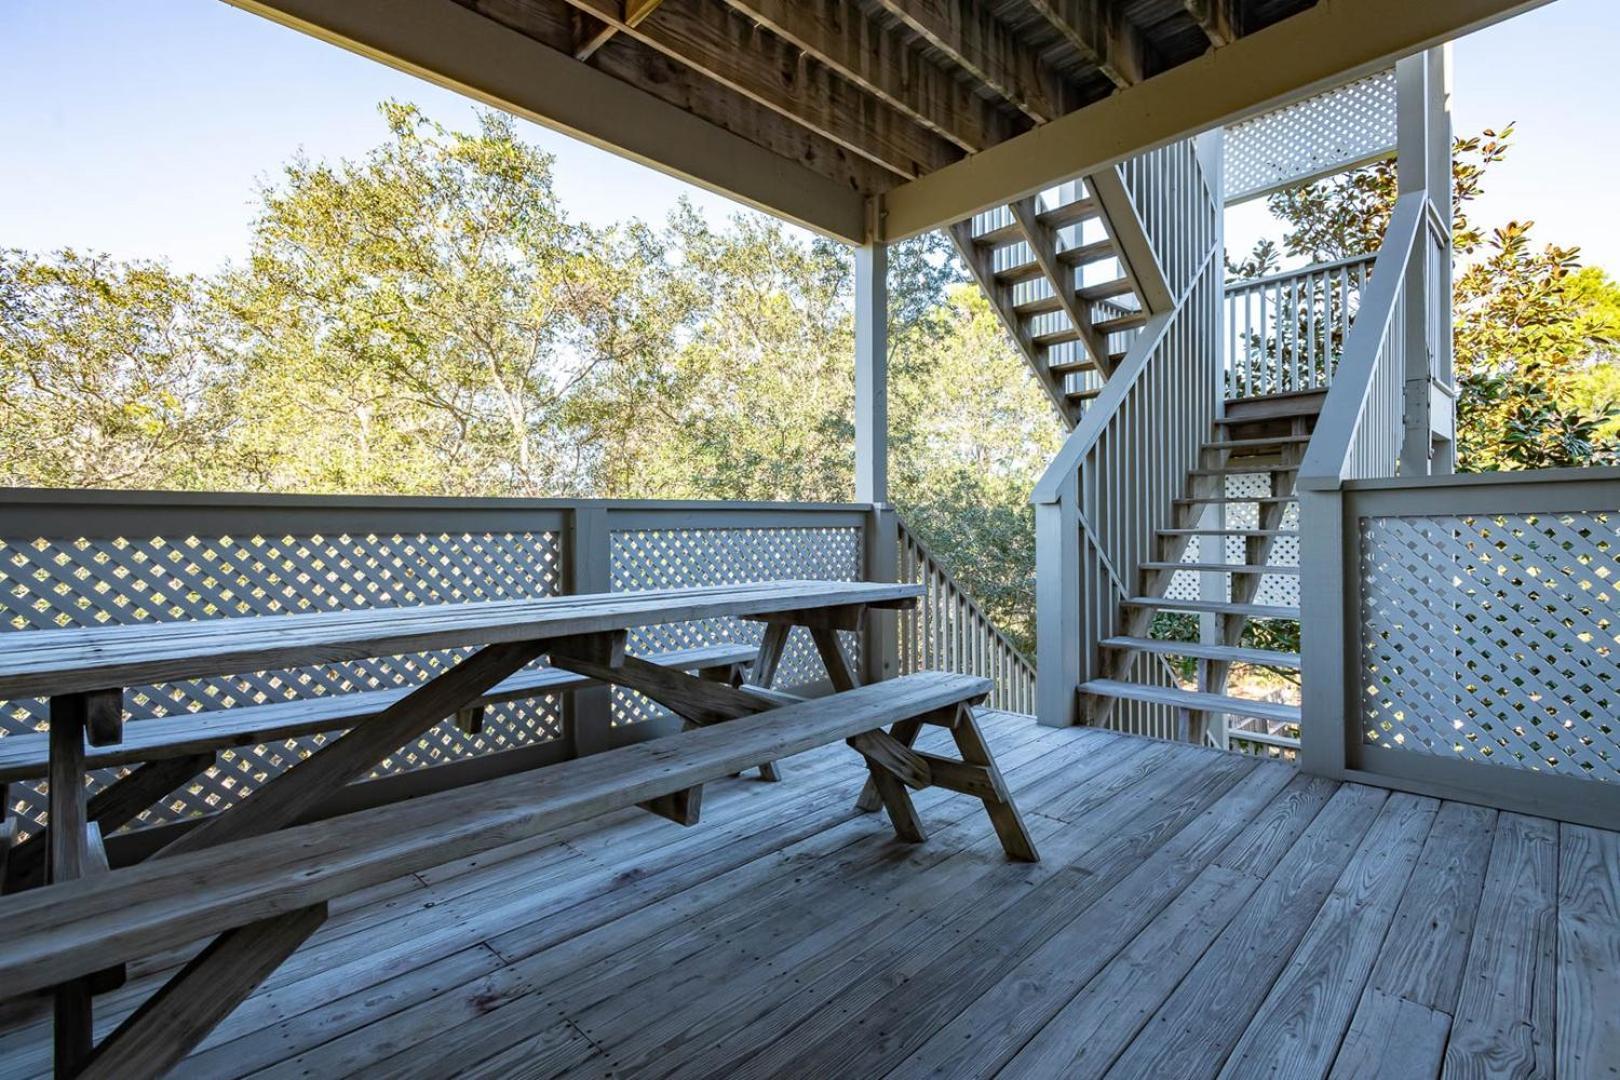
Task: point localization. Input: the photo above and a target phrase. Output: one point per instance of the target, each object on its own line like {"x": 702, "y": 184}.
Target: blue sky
{"x": 142, "y": 129}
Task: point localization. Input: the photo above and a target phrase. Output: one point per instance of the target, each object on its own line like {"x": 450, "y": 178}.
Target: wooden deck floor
{"x": 1196, "y": 914}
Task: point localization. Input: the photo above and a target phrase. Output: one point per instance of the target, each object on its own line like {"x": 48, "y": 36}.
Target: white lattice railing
{"x": 949, "y": 631}
{"x": 1330, "y": 132}
{"x": 91, "y": 558}
{"x": 1480, "y": 650}
{"x": 1112, "y": 485}
{"x": 1286, "y": 333}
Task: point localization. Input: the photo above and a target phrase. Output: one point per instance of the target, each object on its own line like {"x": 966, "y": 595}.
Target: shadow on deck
{"x": 1194, "y": 911}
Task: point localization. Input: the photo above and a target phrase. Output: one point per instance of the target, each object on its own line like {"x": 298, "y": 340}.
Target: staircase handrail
{"x": 1100, "y": 416}
{"x": 1327, "y": 462}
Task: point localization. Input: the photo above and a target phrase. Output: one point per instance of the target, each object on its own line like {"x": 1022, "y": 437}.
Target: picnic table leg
{"x": 69, "y": 858}
{"x": 1009, "y": 824}
{"x": 302, "y": 788}
{"x": 108, "y": 809}
{"x": 763, "y": 674}
{"x": 842, "y": 674}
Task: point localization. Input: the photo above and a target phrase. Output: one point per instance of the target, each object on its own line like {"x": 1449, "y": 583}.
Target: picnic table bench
{"x": 260, "y": 880}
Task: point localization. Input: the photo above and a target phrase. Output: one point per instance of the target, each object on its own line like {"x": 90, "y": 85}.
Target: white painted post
{"x": 871, "y": 373}
{"x": 1443, "y": 410}
{"x": 1423, "y": 145}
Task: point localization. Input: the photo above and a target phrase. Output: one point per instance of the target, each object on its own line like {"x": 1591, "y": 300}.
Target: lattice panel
{"x": 49, "y": 584}
{"x": 687, "y": 558}
{"x": 1337, "y": 129}
{"x": 1494, "y": 639}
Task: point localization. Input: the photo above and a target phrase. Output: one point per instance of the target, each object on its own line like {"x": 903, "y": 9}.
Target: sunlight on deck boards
{"x": 1195, "y": 911}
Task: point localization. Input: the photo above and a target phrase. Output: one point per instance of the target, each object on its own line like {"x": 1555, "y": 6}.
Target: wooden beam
{"x": 970, "y": 34}
{"x": 881, "y": 62}
{"x": 739, "y": 54}
{"x": 679, "y": 129}
{"x": 634, "y": 12}
{"x": 1298, "y": 56}
{"x": 1220, "y": 20}
{"x": 1100, "y": 33}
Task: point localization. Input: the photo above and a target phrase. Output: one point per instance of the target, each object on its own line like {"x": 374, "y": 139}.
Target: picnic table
{"x": 74, "y": 926}
{"x": 84, "y": 672}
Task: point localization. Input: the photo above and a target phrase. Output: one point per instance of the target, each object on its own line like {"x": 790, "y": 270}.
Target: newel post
{"x": 1059, "y": 641}
{"x": 588, "y": 568}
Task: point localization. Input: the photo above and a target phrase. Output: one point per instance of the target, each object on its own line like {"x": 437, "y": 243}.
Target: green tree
{"x": 1533, "y": 333}
{"x": 107, "y": 374}
{"x": 427, "y": 319}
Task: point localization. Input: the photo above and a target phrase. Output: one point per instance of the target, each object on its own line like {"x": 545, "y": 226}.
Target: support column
{"x": 1059, "y": 640}
{"x": 1423, "y": 143}
{"x": 872, "y": 373}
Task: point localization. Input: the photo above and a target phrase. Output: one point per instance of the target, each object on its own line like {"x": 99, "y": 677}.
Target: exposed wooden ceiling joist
{"x": 738, "y": 53}
{"x": 967, "y": 32}
{"x": 714, "y": 143}
{"x": 881, "y": 61}
{"x": 1099, "y": 32}
{"x": 634, "y": 12}
{"x": 1330, "y": 43}
{"x": 1217, "y": 18}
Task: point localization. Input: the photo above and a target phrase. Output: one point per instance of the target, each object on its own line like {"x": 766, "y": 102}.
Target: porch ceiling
{"x": 808, "y": 109}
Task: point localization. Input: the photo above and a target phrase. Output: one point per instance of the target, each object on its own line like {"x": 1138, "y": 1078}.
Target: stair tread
{"x": 1192, "y": 699}
{"x": 1229, "y": 532}
{"x": 1082, "y": 395}
{"x": 1244, "y": 470}
{"x": 1205, "y": 651}
{"x": 1217, "y": 500}
{"x": 1247, "y": 444}
{"x": 1120, "y": 323}
{"x": 1068, "y": 213}
{"x": 1219, "y": 568}
{"x": 1106, "y": 290}
{"x": 1217, "y": 607}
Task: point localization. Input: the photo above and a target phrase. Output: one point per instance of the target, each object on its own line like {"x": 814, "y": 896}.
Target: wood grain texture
{"x": 82, "y": 926}
{"x": 1588, "y": 1027}
{"x": 94, "y": 658}
{"x": 1504, "y": 1024}
{"x": 163, "y": 1030}
{"x": 1299, "y": 1026}
{"x": 25, "y": 756}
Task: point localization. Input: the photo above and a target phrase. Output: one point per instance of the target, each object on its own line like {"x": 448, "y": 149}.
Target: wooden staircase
{"x": 1247, "y": 471}
{"x": 1056, "y": 269}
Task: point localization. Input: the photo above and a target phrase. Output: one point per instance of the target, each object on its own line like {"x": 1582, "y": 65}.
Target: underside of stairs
{"x": 1229, "y": 561}
{"x": 1071, "y": 276}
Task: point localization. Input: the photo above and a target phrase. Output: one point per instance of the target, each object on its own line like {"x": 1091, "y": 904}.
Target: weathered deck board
{"x": 1195, "y": 912}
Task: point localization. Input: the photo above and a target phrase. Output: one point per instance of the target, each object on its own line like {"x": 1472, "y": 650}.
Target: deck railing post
{"x": 588, "y": 568}
{"x": 1059, "y": 639}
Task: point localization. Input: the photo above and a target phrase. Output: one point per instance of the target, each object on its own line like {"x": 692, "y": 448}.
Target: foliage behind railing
{"x": 1286, "y": 333}
{"x": 949, "y": 631}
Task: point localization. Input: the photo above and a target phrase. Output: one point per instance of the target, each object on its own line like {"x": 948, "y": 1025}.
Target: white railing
{"x": 949, "y": 631}
{"x": 1101, "y": 502}
{"x": 1360, "y": 429}
{"x": 1286, "y": 333}
{"x": 1475, "y": 657}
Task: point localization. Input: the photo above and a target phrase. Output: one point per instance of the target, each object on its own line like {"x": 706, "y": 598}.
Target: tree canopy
{"x": 429, "y": 319}
{"x": 1534, "y": 332}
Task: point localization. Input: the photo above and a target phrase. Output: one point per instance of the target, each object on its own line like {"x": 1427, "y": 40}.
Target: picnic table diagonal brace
{"x": 302, "y": 788}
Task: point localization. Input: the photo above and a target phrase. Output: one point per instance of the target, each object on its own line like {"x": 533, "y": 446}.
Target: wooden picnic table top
{"x": 46, "y": 662}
